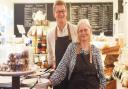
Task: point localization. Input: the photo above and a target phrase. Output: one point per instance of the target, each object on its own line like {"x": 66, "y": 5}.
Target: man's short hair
{"x": 59, "y": 2}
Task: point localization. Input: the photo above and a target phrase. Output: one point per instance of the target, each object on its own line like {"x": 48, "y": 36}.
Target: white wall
{"x": 120, "y": 25}
{"x": 115, "y": 22}
{"x": 125, "y": 20}
{"x": 6, "y": 15}
{"x": 119, "y": 22}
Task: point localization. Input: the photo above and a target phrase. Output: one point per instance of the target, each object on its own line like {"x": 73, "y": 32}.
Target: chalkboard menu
{"x": 29, "y": 9}
{"x": 23, "y": 15}
{"x": 100, "y": 16}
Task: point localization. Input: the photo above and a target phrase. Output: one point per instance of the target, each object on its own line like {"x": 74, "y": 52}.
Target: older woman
{"x": 82, "y": 62}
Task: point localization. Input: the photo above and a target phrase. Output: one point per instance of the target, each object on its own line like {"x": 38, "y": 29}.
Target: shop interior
{"x": 23, "y": 22}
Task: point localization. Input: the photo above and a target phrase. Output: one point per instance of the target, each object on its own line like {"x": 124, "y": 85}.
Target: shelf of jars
{"x": 37, "y": 33}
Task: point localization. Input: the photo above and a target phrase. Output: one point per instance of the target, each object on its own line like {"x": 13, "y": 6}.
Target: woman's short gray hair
{"x": 84, "y": 21}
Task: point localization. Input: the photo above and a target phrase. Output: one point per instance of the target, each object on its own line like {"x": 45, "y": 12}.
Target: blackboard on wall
{"x": 50, "y": 16}
{"x": 18, "y": 17}
{"x": 23, "y": 15}
{"x": 99, "y": 14}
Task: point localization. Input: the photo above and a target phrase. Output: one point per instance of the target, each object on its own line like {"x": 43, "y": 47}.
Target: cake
{"x": 18, "y": 61}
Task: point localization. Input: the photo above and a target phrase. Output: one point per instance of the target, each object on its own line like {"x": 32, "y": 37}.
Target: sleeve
{"x": 62, "y": 69}
{"x": 73, "y": 30}
{"x": 100, "y": 70}
{"x": 50, "y": 56}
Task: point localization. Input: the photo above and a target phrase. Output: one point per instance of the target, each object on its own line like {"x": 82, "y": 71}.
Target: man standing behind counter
{"x": 59, "y": 38}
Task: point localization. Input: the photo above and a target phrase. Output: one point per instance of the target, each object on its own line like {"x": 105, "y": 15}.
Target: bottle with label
{"x": 44, "y": 44}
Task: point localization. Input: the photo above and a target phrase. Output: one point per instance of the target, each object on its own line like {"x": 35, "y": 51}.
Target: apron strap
{"x": 69, "y": 33}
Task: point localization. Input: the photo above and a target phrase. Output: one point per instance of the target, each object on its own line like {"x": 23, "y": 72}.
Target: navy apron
{"x": 61, "y": 45}
{"x": 84, "y": 75}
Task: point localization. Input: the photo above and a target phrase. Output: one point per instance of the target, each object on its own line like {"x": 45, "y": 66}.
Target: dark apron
{"x": 61, "y": 45}
{"x": 84, "y": 75}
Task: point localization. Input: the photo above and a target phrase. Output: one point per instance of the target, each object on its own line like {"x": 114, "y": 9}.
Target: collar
{"x": 63, "y": 30}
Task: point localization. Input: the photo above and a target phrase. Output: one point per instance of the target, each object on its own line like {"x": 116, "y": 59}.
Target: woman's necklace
{"x": 79, "y": 48}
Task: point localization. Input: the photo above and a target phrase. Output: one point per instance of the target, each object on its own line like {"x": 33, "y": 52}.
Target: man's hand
{"x": 54, "y": 65}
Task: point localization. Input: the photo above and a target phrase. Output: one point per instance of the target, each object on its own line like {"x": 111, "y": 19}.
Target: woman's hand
{"x": 43, "y": 83}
